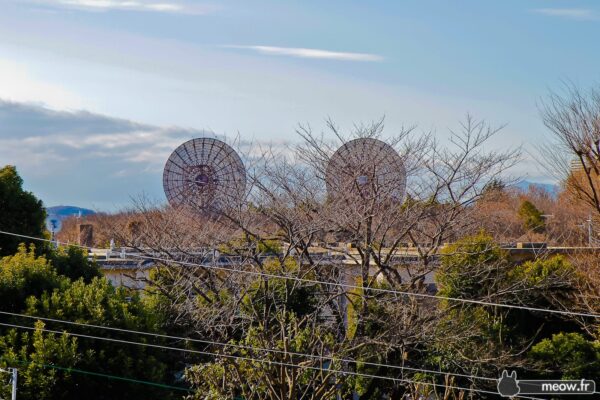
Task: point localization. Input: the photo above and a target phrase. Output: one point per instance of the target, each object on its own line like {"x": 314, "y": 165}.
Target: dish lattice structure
{"x": 206, "y": 174}
{"x": 366, "y": 168}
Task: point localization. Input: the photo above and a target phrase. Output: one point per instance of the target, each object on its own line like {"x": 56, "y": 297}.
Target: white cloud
{"x": 311, "y": 53}
{"x": 573, "y": 13}
{"x": 165, "y": 6}
{"x": 79, "y": 157}
{"x": 17, "y": 83}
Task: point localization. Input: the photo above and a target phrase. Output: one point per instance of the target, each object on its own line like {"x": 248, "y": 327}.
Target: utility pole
{"x": 14, "y": 383}
{"x": 590, "y": 230}
{"x": 53, "y": 226}
{"x": 589, "y": 221}
{"x": 13, "y": 380}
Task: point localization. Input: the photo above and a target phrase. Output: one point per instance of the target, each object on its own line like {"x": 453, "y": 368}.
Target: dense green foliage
{"x": 73, "y": 263}
{"x": 31, "y": 352}
{"x": 99, "y": 303}
{"x": 63, "y": 284}
{"x": 74, "y": 291}
{"x": 475, "y": 268}
{"x": 24, "y": 275}
{"x": 568, "y": 356}
{"x": 20, "y": 211}
{"x": 532, "y": 217}
{"x": 478, "y": 255}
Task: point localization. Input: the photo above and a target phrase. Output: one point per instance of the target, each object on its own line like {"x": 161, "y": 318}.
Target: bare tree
{"x": 443, "y": 184}
{"x": 319, "y": 232}
{"x": 573, "y": 154}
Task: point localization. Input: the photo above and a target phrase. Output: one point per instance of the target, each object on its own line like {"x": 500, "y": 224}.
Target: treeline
{"x": 38, "y": 280}
{"x": 509, "y": 214}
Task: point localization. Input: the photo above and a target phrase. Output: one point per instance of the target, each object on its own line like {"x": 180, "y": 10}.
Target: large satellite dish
{"x": 53, "y": 223}
{"x": 206, "y": 174}
{"x": 366, "y": 168}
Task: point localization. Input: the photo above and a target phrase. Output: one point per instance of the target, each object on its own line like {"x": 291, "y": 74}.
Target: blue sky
{"x": 95, "y": 94}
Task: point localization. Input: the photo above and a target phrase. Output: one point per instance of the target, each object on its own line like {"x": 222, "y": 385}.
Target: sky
{"x": 95, "y": 94}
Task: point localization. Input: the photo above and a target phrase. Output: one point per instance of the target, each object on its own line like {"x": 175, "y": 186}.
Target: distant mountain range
{"x": 62, "y": 212}
{"x": 548, "y": 187}
{"x": 58, "y": 213}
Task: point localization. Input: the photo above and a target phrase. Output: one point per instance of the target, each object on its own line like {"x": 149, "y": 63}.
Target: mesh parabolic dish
{"x": 204, "y": 173}
{"x": 368, "y": 168}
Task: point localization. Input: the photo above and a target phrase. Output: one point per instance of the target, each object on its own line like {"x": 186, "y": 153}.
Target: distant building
{"x": 127, "y": 268}
{"x": 576, "y": 165}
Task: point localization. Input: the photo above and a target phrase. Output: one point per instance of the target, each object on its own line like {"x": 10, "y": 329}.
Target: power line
{"x": 389, "y": 291}
{"x": 102, "y": 375}
{"x": 254, "y": 348}
{"x": 347, "y": 286}
{"x": 372, "y": 376}
{"x": 274, "y": 350}
{"x": 275, "y": 276}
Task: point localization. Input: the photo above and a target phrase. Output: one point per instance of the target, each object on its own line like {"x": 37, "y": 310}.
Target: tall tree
{"x": 573, "y": 152}
{"x": 72, "y": 291}
{"x": 532, "y": 218}
{"x": 20, "y": 211}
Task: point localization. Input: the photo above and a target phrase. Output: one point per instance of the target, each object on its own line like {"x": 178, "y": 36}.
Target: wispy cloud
{"x": 164, "y": 6}
{"x": 310, "y": 53}
{"x": 572, "y": 13}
